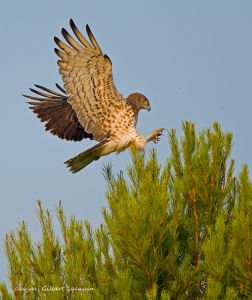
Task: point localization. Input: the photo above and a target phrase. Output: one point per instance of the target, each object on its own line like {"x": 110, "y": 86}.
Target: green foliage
{"x": 180, "y": 230}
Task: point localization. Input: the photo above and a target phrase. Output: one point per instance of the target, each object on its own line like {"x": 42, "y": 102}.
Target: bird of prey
{"x": 89, "y": 106}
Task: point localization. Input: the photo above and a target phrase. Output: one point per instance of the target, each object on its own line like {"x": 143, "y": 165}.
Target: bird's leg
{"x": 154, "y": 136}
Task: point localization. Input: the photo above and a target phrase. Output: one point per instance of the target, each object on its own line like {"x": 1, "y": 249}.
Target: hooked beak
{"x": 148, "y": 108}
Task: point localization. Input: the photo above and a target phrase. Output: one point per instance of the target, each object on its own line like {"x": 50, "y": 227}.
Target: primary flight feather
{"x": 89, "y": 105}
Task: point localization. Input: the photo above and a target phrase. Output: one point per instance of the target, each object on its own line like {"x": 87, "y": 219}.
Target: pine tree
{"x": 177, "y": 230}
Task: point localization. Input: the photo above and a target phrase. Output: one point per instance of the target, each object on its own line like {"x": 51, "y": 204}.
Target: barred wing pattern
{"x": 53, "y": 108}
{"x": 87, "y": 77}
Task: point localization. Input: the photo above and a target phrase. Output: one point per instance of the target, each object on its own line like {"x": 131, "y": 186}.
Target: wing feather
{"x": 78, "y": 34}
{"x": 70, "y": 40}
{"x": 60, "y": 88}
{"x": 88, "y": 80}
{"x": 51, "y": 92}
{"x": 45, "y": 94}
{"x": 57, "y": 113}
{"x": 63, "y": 46}
{"x": 92, "y": 39}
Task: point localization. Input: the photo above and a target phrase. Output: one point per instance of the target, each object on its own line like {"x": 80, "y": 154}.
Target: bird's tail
{"x": 85, "y": 158}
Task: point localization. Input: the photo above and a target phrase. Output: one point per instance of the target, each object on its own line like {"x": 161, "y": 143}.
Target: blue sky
{"x": 192, "y": 59}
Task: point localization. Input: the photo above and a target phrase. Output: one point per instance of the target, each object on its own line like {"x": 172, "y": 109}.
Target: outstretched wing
{"x": 87, "y": 77}
{"x": 59, "y": 117}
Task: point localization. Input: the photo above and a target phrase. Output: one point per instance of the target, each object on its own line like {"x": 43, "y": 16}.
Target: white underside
{"x": 129, "y": 138}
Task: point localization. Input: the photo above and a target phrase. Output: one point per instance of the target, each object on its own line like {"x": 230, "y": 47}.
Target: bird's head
{"x": 139, "y": 101}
